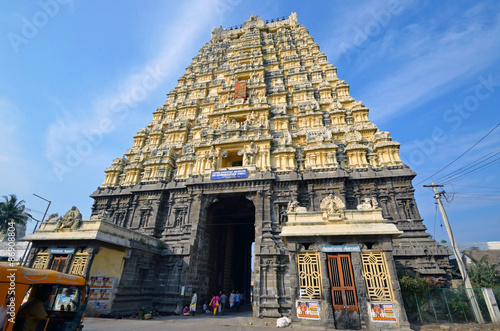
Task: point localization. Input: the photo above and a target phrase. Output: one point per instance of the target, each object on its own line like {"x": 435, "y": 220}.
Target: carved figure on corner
{"x": 71, "y": 219}
{"x": 368, "y": 204}
{"x": 102, "y": 215}
{"x": 293, "y": 207}
{"x": 53, "y": 218}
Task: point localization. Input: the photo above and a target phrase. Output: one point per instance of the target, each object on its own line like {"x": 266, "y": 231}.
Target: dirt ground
{"x": 459, "y": 327}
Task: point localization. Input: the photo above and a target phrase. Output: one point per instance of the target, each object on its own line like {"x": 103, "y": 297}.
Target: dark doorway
{"x": 344, "y": 299}
{"x": 231, "y": 228}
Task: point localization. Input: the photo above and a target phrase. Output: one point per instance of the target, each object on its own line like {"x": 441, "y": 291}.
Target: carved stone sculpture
{"x": 367, "y": 204}
{"x": 293, "y": 207}
{"x": 332, "y": 205}
{"x": 102, "y": 215}
{"x": 70, "y": 220}
{"x": 53, "y": 218}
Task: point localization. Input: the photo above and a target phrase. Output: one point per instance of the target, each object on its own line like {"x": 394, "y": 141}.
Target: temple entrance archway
{"x": 230, "y": 227}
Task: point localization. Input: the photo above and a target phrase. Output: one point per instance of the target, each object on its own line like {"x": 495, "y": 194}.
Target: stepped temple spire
{"x": 261, "y": 96}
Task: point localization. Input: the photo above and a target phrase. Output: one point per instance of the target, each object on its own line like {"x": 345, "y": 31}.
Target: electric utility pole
{"x": 458, "y": 256}
{"x": 25, "y": 257}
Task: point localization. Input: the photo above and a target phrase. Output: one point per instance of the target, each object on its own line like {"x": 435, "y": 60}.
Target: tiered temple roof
{"x": 261, "y": 96}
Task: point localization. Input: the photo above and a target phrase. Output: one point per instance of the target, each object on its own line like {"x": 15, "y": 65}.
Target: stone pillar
{"x": 398, "y": 297}
{"x": 170, "y": 204}
{"x": 284, "y": 280}
{"x": 361, "y": 292}
{"x": 31, "y": 256}
{"x": 68, "y": 262}
{"x": 131, "y": 211}
{"x": 267, "y": 256}
{"x": 385, "y": 206}
{"x": 90, "y": 259}
{"x": 396, "y": 215}
{"x": 312, "y": 194}
{"x": 268, "y": 306}
{"x": 327, "y": 293}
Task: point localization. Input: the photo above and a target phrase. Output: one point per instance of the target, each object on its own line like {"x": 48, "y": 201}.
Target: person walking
{"x": 194, "y": 301}
{"x": 237, "y": 299}
{"x": 223, "y": 300}
{"x": 231, "y": 300}
{"x": 214, "y": 303}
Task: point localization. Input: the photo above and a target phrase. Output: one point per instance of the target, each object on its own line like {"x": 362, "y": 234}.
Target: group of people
{"x": 218, "y": 303}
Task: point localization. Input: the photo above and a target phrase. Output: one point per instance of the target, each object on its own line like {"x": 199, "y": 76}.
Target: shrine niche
{"x": 240, "y": 89}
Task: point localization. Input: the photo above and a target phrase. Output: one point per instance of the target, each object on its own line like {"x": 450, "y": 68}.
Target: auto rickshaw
{"x": 65, "y": 299}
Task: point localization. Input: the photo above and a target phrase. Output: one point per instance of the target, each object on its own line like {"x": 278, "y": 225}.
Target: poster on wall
{"x": 93, "y": 294}
{"x": 382, "y": 312}
{"x": 308, "y": 309}
{"x": 100, "y": 290}
{"x": 102, "y": 282}
{"x": 101, "y": 305}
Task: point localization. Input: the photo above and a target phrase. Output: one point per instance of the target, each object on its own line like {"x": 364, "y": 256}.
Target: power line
{"x": 484, "y": 166}
{"x": 483, "y": 187}
{"x": 482, "y": 194}
{"x": 477, "y": 162}
{"x": 471, "y": 164}
{"x": 478, "y": 198}
{"x": 449, "y": 164}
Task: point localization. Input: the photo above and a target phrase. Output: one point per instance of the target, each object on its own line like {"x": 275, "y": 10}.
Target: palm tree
{"x": 12, "y": 210}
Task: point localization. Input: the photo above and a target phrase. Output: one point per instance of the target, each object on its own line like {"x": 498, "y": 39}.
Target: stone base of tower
{"x": 210, "y": 229}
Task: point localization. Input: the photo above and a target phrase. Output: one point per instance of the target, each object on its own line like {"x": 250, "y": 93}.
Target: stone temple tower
{"x": 259, "y": 124}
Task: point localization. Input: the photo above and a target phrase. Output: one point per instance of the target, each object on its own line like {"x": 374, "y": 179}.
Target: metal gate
{"x": 342, "y": 282}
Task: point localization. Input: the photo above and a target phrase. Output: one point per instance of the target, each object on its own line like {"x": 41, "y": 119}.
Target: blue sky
{"x": 79, "y": 78}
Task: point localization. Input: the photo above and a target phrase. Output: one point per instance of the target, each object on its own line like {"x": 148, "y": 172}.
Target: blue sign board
{"x": 62, "y": 251}
{"x": 340, "y": 248}
{"x": 229, "y": 174}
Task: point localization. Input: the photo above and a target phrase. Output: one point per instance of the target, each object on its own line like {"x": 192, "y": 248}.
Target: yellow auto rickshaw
{"x": 64, "y": 299}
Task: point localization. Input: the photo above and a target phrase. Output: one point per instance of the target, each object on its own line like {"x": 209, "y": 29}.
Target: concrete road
{"x": 231, "y": 321}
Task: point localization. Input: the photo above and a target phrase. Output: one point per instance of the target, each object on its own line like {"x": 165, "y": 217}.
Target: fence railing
{"x": 445, "y": 305}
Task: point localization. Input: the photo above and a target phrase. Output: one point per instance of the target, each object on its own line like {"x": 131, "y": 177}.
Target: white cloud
{"x": 9, "y": 124}
{"x": 433, "y": 62}
{"x": 79, "y": 132}
{"x": 15, "y": 174}
{"x": 356, "y": 26}
{"x": 426, "y": 156}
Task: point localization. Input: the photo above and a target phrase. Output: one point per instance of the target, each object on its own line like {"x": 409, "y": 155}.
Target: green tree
{"x": 484, "y": 274}
{"x": 12, "y": 210}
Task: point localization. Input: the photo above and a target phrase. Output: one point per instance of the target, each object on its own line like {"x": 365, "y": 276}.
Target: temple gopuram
{"x": 259, "y": 173}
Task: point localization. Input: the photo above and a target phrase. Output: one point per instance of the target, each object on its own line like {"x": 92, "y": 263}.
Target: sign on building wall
{"x": 229, "y": 174}
{"x": 308, "y": 309}
{"x": 340, "y": 248}
{"x": 62, "y": 251}
{"x": 382, "y": 312}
